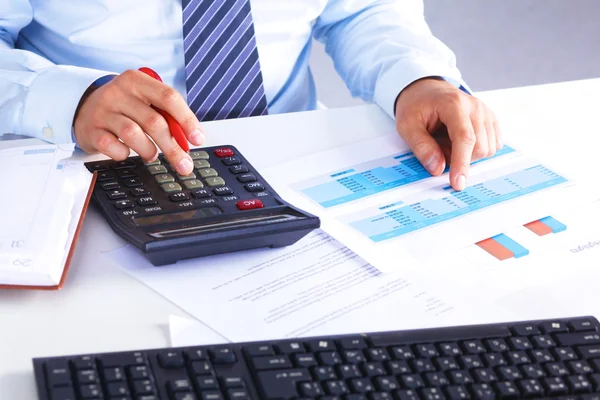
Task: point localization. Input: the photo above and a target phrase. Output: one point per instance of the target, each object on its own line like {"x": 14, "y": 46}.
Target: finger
{"x": 481, "y": 148}
{"x": 497, "y": 130}
{"x": 108, "y": 144}
{"x": 168, "y": 99}
{"x": 462, "y": 135}
{"x": 423, "y": 145}
{"x": 491, "y": 136}
{"x": 133, "y": 136}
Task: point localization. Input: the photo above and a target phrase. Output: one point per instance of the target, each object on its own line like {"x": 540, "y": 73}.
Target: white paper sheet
{"x": 316, "y": 286}
{"x": 379, "y": 201}
{"x": 190, "y": 332}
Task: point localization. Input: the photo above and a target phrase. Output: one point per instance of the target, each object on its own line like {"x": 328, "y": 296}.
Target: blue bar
{"x": 516, "y": 248}
{"x": 555, "y": 225}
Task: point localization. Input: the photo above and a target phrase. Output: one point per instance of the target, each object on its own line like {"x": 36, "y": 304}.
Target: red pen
{"x": 174, "y": 127}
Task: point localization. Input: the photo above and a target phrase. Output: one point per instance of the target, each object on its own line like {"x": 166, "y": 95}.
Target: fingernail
{"x": 461, "y": 181}
{"x": 185, "y": 166}
{"x": 432, "y": 164}
{"x": 197, "y": 136}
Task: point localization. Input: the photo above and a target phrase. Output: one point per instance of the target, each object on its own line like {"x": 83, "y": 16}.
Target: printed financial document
{"x": 315, "y": 287}
{"x": 377, "y": 199}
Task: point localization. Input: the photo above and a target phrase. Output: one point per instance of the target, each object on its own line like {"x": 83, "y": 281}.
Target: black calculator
{"x": 224, "y": 205}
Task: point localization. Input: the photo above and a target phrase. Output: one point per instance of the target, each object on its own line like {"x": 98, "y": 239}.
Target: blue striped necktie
{"x": 223, "y": 75}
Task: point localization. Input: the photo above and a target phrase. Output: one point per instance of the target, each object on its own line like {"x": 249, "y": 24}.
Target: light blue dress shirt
{"x": 52, "y": 50}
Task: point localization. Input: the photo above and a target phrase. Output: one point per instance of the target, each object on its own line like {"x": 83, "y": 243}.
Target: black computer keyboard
{"x": 537, "y": 359}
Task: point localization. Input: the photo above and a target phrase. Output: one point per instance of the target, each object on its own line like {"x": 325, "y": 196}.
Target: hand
{"x": 118, "y": 116}
{"x": 473, "y": 132}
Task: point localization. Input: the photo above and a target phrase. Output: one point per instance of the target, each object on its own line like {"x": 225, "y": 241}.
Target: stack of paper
{"x": 40, "y": 208}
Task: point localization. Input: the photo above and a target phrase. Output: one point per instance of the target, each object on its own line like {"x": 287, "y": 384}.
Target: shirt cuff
{"x": 52, "y": 100}
{"x": 392, "y": 82}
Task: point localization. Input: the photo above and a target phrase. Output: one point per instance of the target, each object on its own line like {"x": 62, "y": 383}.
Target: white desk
{"x": 102, "y": 309}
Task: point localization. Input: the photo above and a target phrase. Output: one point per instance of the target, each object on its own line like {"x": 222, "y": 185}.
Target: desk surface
{"x": 101, "y": 308}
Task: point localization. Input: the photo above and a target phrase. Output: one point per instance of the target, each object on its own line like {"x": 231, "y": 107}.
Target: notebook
{"x": 43, "y": 201}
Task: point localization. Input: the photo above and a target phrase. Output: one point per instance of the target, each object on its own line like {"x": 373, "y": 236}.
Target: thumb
{"x": 426, "y": 149}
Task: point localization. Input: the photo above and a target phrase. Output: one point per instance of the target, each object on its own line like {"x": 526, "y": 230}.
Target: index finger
{"x": 462, "y": 135}
{"x": 169, "y": 100}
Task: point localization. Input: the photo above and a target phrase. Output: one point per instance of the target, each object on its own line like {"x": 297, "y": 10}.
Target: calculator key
{"x": 146, "y": 201}
{"x": 207, "y": 202}
{"x": 246, "y": 178}
{"x": 126, "y": 173}
{"x": 262, "y": 194}
{"x": 179, "y": 196}
{"x": 231, "y": 161}
{"x": 123, "y": 204}
{"x": 215, "y": 181}
{"x": 201, "y": 194}
{"x": 155, "y": 162}
{"x": 152, "y": 210}
{"x": 164, "y": 178}
{"x": 230, "y": 198}
{"x": 105, "y": 176}
{"x": 110, "y": 185}
{"x": 116, "y": 194}
{"x": 201, "y": 164}
{"x": 186, "y": 177}
{"x": 199, "y": 155}
{"x": 193, "y": 184}
{"x": 132, "y": 182}
{"x": 249, "y": 204}
{"x": 171, "y": 187}
{"x": 157, "y": 169}
{"x": 223, "y": 190}
{"x": 124, "y": 164}
{"x": 207, "y": 172}
{"x": 98, "y": 167}
{"x": 139, "y": 191}
{"x": 254, "y": 187}
{"x": 224, "y": 152}
{"x": 238, "y": 169}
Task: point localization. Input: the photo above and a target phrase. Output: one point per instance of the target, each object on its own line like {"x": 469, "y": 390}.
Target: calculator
{"x": 223, "y": 206}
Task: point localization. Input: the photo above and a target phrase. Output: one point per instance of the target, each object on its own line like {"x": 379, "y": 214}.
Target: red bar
{"x": 495, "y": 249}
{"x": 538, "y": 227}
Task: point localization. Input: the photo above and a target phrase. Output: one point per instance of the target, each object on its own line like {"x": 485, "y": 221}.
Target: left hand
{"x": 473, "y": 132}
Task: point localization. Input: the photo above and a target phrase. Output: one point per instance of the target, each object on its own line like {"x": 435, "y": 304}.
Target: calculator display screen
{"x": 177, "y": 216}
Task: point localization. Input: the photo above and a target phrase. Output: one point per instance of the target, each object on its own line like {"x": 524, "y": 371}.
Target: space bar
{"x": 439, "y": 334}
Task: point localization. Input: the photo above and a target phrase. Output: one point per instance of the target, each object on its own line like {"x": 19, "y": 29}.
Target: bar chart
{"x": 407, "y": 218}
{"x": 370, "y": 178}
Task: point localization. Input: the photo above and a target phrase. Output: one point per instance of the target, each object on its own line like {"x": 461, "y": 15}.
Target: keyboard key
{"x": 116, "y": 389}
{"x": 555, "y": 386}
{"x": 411, "y": 381}
{"x": 520, "y": 343}
{"x": 63, "y": 393}
{"x": 543, "y": 342}
{"x": 581, "y": 325}
{"x": 483, "y": 391}
{"x": 353, "y": 356}
{"x": 238, "y": 394}
{"x": 397, "y": 367}
{"x": 579, "y": 384}
{"x": 426, "y": 350}
{"x": 592, "y": 351}
{"x": 507, "y": 390}
{"x": 304, "y": 360}
{"x": 87, "y": 376}
{"x": 373, "y": 369}
{"x": 352, "y": 343}
{"x": 509, "y": 373}
{"x": 310, "y": 389}
{"x": 542, "y": 356}
{"x": 238, "y": 169}
{"x": 201, "y": 164}
{"x": 580, "y": 338}
{"x": 556, "y": 369}
{"x": 259, "y": 350}
{"x": 361, "y": 385}
{"x": 231, "y": 161}
{"x": 579, "y": 367}
{"x": 450, "y": 349}
{"x": 335, "y": 388}
{"x": 377, "y": 354}
{"x": 199, "y": 155}
{"x": 114, "y": 374}
{"x": 348, "y": 371}
{"x": 179, "y": 385}
{"x": 436, "y": 379}
{"x": 565, "y": 354}
{"x": 202, "y": 368}
{"x": 271, "y": 362}
{"x": 472, "y": 361}
{"x": 406, "y": 395}
{"x": 143, "y": 387}
{"x": 492, "y": 360}
{"x": 554, "y": 327}
{"x": 254, "y": 187}
{"x": 421, "y": 365}
{"x": 170, "y": 359}
{"x": 460, "y": 377}
{"x": 473, "y": 347}
{"x": 496, "y": 345}
{"x": 185, "y": 396}
{"x": 140, "y": 372}
{"x": 329, "y": 358}
{"x": 533, "y": 371}
{"x": 525, "y": 329}
{"x": 222, "y": 355}
{"x": 323, "y": 373}
{"x": 484, "y": 375}
{"x": 205, "y": 383}
{"x": 457, "y": 393}
{"x": 431, "y": 394}
{"x": 386, "y": 383}
{"x": 531, "y": 388}
{"x": 58, "y": 374}
{"x": 233, "y": 382}
{"x": 291, "y": 347}
{"x": 212, "y": 395}
{"x": 517, "y": 357}
{"x": 90, "y": 391}
{"x": 193, "y": 184}
{"x": 196, "y": 354}
{"x": 446, "y": 363}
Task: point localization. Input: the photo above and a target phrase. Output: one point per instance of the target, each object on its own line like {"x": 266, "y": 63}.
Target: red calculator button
{"x": 224, "y": 152}
{"x": 249, "y": 204}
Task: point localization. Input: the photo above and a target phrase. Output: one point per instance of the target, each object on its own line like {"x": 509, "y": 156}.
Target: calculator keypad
{"x": 136, "y": 188}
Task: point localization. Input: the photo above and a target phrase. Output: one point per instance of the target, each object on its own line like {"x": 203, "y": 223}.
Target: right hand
{"x": 118, "y": 117}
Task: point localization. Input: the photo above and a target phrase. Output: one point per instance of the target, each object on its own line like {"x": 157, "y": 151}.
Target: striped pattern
{"x": 223, "y": 75}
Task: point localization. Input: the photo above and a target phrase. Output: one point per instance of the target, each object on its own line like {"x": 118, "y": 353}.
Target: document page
{"x": 377, "y": 199}
{"x": 317, "y": 286}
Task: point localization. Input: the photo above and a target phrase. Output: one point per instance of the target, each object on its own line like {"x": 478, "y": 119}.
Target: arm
{"x": 385, "y": 52}
{"x": 37, "y": 97}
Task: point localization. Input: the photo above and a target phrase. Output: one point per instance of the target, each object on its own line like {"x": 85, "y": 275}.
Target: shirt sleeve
{"x": 37, "y": 97}
{"x": 379, "y": 47}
